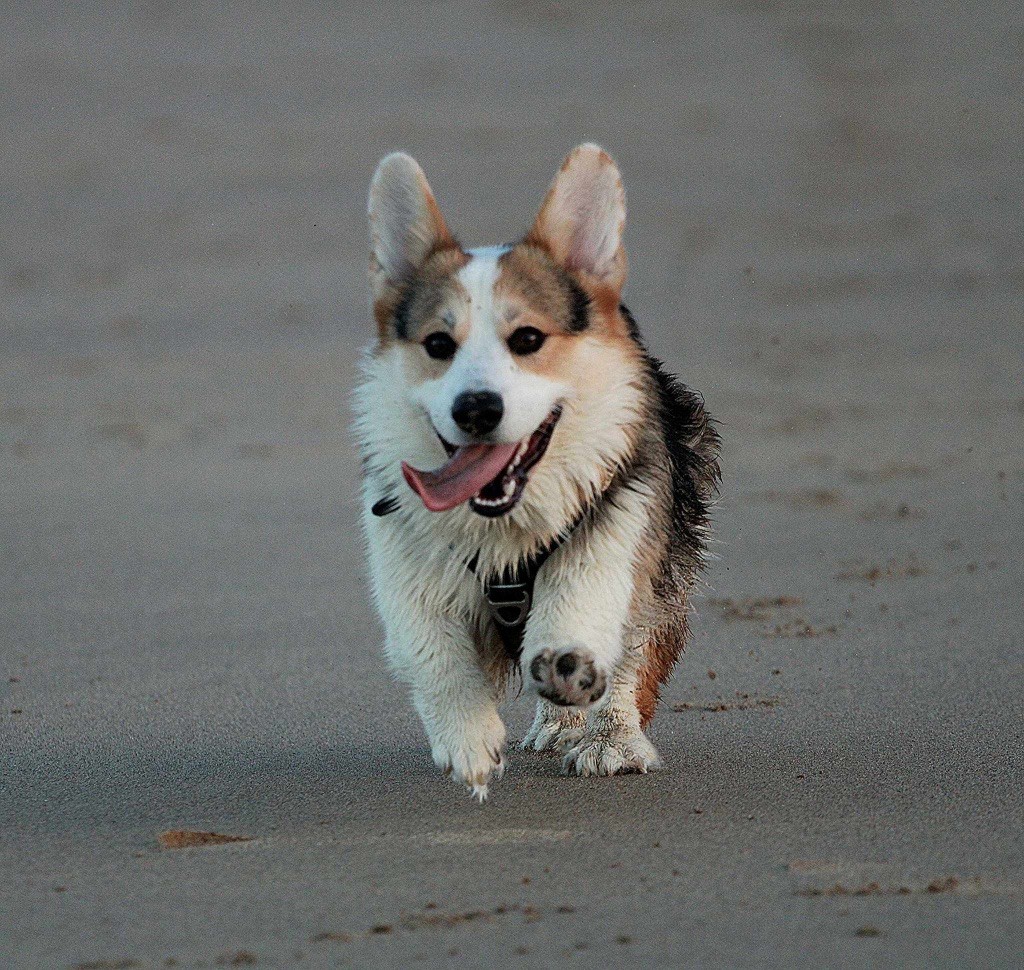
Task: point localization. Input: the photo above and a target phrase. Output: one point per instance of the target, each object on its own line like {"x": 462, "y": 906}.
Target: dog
{"x": 536, "y": 487}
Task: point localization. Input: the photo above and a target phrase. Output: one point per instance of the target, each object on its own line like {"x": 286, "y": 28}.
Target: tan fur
{"x": 661, "y": 654}
{"x": 530, "y": 279}
{"x": 665, "y": 635}
{"x": 536, "y": 287}
{"x": 432, "y": 288}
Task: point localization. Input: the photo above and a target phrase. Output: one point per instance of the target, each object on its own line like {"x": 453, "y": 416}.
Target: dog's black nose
{"x": 478, "y": 412}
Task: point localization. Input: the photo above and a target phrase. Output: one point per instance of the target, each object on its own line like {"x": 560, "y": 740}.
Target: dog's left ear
{"x": 583, "y": 217}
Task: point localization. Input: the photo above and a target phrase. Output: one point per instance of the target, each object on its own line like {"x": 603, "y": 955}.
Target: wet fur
{"x": 635, "y": 455}
{"x": 688, "y": 445}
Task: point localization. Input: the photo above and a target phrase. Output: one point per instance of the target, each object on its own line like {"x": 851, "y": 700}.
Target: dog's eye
{"x": 440, "y": 345}
{"x": 526, "y": 340}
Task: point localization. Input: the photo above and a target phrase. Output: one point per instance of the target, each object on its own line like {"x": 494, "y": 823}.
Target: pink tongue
{"x": 465, "y": 473}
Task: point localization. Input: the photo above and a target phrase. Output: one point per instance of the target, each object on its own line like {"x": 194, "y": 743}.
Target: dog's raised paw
{"x": 616, "y": 752}
{"x": 569, "y": 677}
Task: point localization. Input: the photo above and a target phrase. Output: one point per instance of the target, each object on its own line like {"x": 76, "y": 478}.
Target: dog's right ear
{"x": 406, "y": 225}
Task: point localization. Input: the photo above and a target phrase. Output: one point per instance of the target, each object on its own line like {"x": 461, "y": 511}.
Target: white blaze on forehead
{"x": 479, "y": 275}
{"x": 484, "y": 362}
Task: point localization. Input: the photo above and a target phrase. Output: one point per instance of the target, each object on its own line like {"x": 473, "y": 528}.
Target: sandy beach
{"x": 825, "y": 238}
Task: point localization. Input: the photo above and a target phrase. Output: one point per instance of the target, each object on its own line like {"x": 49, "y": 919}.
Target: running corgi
{"x": 536, "y": 486}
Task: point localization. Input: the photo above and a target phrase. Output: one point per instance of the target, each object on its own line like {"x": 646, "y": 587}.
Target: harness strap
{"x": 509, "y": 595}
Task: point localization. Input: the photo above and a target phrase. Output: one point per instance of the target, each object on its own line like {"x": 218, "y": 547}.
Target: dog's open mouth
{"x": 490, "y": 477}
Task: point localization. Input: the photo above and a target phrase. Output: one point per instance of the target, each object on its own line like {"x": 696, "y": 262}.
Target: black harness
{"x": 509, "y": 595}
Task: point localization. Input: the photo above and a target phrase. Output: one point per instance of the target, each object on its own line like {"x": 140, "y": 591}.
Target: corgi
{"x": 537, "y": 487}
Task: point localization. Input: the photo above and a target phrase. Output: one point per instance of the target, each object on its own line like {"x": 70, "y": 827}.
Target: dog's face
{"x": 494, "y": 344}
{"x": 482, "y": 347}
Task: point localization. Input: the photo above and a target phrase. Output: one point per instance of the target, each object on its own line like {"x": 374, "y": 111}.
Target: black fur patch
{"x": 579, "y": 307}
{"x": 401, "y": 316}
{"x": 693, "y": 450}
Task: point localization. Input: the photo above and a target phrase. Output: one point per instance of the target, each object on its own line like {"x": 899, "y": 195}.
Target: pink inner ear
{"x": 591, "y": 223}
{"x": 583, "y": 215}
{"x": 593, "y": 245}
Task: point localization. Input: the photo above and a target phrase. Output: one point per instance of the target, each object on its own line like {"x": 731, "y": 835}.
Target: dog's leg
{"x": 457, "y": 705}
{"x": 554, "y": 727}
{"x": 575, "y": 652}
{"x": 575, "y": 636}
{"x": 455, "y": 699}
{"x": 613, "y": 742}
{"x": 431, "y": 646}
{"x": 436, "y": 654}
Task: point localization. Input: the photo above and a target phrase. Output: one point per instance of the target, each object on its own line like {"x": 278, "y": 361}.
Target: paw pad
{"x": 569, "y": 677}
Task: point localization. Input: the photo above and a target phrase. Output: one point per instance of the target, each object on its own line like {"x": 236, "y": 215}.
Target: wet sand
{"x": 825, "y": 239}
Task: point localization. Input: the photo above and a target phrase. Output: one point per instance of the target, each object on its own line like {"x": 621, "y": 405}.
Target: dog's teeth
{"x": 519, "y": 455}
{"x": 492, "y": 502}
{"x": 510, "y": 487}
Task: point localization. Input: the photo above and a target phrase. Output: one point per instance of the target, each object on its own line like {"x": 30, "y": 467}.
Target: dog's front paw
{"x": 618, "y": 751}
{"x": 474, "y": 756}
{"x": 570, "y": 677}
